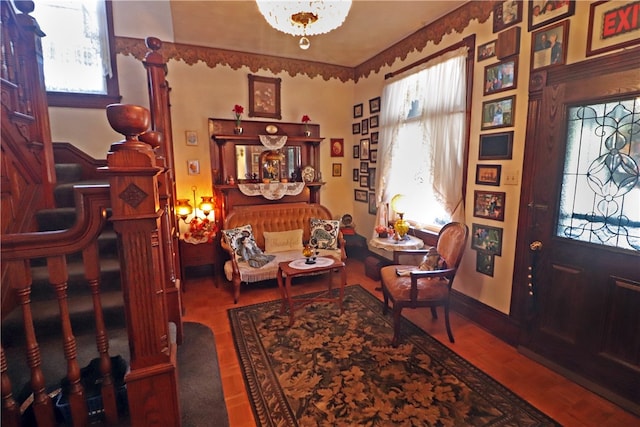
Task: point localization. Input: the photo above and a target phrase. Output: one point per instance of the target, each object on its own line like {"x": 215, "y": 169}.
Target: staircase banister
{"x": 92, "y": 203}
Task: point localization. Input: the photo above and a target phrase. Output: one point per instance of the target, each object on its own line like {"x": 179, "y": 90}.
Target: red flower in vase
{"x": 201, "y": 230}
{"x": 237, "y": 112}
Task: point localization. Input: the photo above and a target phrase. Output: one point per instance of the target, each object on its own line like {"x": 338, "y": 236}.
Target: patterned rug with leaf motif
{"x": 339, "y": 370}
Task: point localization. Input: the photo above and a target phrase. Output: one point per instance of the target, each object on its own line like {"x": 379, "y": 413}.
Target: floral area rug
{"x": 340, "y": 370}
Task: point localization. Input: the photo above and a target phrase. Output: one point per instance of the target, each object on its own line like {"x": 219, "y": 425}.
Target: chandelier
{"x": 304, "y": 18}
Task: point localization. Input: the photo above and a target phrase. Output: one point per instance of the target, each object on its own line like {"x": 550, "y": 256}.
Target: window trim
{"x": 88, "y": 100}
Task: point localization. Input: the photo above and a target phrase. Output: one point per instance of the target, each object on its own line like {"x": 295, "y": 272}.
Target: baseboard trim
{"x": 497, "y": 323}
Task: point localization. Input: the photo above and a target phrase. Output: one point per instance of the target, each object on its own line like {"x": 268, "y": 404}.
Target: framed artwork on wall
{"x": 373, "y": 121}
{"x": 364, "y": 181}
{"x": 264, "y": 97}
{"x": 374, "y": 138}
{"x": 487, "y": 50}
{"x": 489, "y": 204}
{"x": 337, "y": 147}
{"x": 545, "y": 12}
{"x": 360, "y": 196}
{"x": 488, "y": 174}
{"x": 364, "y": 167}
{"x": 364, "y": 148}
{"x": 357, "y": 111}
{"x": 356, "y": 151}
{"x": 193, "y": 167}
{"x": 336, "y": 169}
{"x": 612, "y": 25}
{"x": 374, "y": 105}
{"x": 355, "y": 128}
{"x": 485, "y": 262}
{"x": 486, "y": 238}
{"x": 364, "y": 127}
{"x": 373, "y": 156}
{"x": 498, "y": 113}
{"x": 506, "y": 14}
{"x": 549, "y": 46}
{"x": 373, "y": 209}
{"x": 356, "y": 175}
{"x": 496, "y": 146}
{"x": 501, "y": 76}
{"x": 372, "y": 178}
{"x": 191, "y": 137}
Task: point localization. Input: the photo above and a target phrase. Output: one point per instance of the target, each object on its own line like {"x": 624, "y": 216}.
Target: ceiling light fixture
{"x": 304, "y": 18}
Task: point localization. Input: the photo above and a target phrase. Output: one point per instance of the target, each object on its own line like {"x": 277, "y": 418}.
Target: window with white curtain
{"x": 76, "y": 49}
{"x": 422, "y": 141}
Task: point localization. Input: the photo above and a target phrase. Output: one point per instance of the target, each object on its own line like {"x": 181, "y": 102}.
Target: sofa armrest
{"x": 232, "y": 256}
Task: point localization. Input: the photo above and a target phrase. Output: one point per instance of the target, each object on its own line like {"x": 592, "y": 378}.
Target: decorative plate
{"x": 347, "y": 220}
{"x": 271, "y": 129}
{"x": 308, "y": 174}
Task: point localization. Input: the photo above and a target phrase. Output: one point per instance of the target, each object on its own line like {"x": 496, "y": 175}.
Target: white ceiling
{"x": 370, "y": 28}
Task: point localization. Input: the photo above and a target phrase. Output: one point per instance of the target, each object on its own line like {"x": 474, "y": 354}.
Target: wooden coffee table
{"x": 322, "y": 266}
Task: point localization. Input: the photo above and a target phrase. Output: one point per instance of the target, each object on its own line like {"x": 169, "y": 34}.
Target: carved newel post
{"x": 132, "y": 171}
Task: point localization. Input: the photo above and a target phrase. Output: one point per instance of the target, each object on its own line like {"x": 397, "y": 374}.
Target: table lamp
{"x": 399, "y": 206}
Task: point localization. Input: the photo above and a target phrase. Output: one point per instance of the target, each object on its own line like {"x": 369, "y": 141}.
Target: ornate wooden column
{"x": 132, "y": 171}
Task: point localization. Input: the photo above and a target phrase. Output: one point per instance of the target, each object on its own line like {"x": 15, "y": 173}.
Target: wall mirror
{"x": 250, "y": 162}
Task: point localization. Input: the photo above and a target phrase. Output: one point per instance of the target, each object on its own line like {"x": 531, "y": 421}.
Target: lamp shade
{"x": 183, "y": 208}
{"x": 399, "y": 204}
{"x": 206, "y": 206}
{"x": 300, "y": 18}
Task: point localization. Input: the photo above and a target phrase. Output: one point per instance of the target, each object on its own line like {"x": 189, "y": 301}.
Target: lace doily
{"x": 272, "y": 191}
{"x": 273, "y": 142}
{"x": 301, "y": 263}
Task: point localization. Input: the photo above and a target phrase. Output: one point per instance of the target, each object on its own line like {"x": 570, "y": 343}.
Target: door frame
{"x": 618, "y": 67}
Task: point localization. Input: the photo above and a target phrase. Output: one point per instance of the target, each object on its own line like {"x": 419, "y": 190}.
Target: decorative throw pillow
{"x": 244, "y": 246}
{"x": 324, "y": 233}
{"x": 281, "y": 241}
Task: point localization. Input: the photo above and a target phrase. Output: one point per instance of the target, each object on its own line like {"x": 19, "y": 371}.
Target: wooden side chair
{"x": 424, "y": 288}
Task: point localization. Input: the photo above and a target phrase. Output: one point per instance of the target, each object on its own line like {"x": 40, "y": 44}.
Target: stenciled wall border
{"x": 456, "y": 21}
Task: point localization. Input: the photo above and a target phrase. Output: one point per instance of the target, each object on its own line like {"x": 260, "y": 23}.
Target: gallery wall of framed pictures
{"x": 365, "y": 151}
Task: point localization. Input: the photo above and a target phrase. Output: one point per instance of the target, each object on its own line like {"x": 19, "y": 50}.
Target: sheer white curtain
{"x": 422, "y": 134}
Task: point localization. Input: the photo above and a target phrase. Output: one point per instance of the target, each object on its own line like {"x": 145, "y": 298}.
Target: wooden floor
{"x": 566, "y": 402}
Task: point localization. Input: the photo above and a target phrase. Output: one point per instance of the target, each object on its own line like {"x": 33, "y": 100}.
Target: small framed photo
{"x": 193, "y": 167}
{"x": 355, "y": 128}
{"x": 364, "y": 181}
{"x": 356, "y": 175}
{"x": 506, "y": 14}
{"x": 361, "y": 196}
{"x": 488, "y": 174}
{"x": 487, "y": 50}
{"x": 364, "y": 167}
{"x": 485, "y": 262}
{"x": 264, "y": 97}
{"x": 486, "y": 238}
{"x": 373, "y": 121}
{"x": 374, "y": 105}
{"x": 364, "y": 128}
{"x": 356, "y": 151}
{"x": 336, "y": 169}
{"x": 612, "y": 25}
{"x": 364, "y": 148}
{"x": 357, "y": 111}
{"x": 373, "y": 209}
{"x": 496, "y": 146}
{"x": 545, "y": 12}
{"x": 337, "y": 147}
{"x": 489, "y": 204}
{"x": 191, "y": 137}
{"x": 549, "y": 46}
{"x": 373, "y": 156}
{"x": 372, "y": 178}
{"x": 498, "y": 113}
{"x": 374, "y": 138}
{"x": 501, "y": 76}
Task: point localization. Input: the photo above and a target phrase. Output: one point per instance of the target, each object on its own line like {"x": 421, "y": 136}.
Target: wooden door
{"x": 577, "y": 280}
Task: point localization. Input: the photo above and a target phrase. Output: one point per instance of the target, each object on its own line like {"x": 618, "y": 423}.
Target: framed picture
{"x": 361, "y": 196}
{"x": 496, "y": 146}
{"x": 264, "y": 97}
{"x": 374, "y": 138}
{"x": 191, "y": 137}
{"x": 501, "y": 76}
{"x": 193, "y": 167}
{"x": 373, "y": 156}
{"x": 355, "y": 128}
{"x": 372, "y": 178}
{"x": 364, "y": 128}
{"x": 506, "y": 14}
{"x": 549, "y": 46}
{"x": 612, "y": 25}
{"x": 485, "y": 262}
{"x": 364, "y": 148}
{"x": 336, "y": 169}
{"x": 486, "y": 238}
{"x": 357, "y": 111}
{"x": 356, "y": 151}
{"x": 356, "y": 175}
{"x": 337, "y": 147}
{"x": 373, "y": 121}
{"x": 544, "y": 12}
{"x": 373, "y": 209}
{"x": 498, "y": 113}
{"x": 364, "y": 167}
{"x": 364, "y": 181}
{"x": 488, "y": 174}
{"x": 489, "y": 204}
{"x": 487, "y": 50}
{"x": 374, "y": 105}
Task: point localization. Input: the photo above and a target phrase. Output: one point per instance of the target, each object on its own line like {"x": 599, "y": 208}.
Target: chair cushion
{"x": 399, "y": 287}
{"x": 324, "y": 233}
